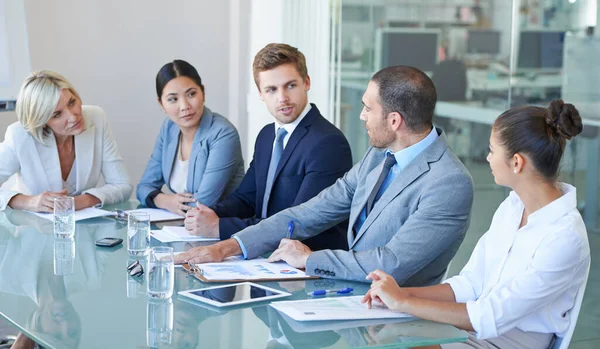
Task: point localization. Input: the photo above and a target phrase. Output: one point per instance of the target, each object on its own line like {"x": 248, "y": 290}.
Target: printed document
{"x": 80, "y": 215}
{"x": 236, "y": 268}
{"x": 157, "y": 214}
{"x": 335, "y": 308}
{"x": 175, "y": 234}
{"x": 180, "y": 234}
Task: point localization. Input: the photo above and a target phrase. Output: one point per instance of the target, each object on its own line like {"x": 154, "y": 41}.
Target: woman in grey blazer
{"x": 197, "y": 153}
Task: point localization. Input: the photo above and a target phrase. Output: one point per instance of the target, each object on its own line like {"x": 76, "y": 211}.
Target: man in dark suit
{"x": 294, "y": 159}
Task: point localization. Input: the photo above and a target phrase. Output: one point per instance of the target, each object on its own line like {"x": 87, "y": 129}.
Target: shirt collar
{"x": 292, "y": 125}
{"x": 406, "y": 155}
{"x": 554, "y": 210}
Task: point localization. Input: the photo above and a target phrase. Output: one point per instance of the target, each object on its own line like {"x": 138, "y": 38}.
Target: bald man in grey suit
{"x": 408, "y": 200}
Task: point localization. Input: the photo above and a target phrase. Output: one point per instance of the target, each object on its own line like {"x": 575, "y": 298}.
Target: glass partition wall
{"x": 484, "y": 57}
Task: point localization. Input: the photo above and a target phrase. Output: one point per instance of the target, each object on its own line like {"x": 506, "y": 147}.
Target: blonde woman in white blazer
{"x": 59, "y": 147}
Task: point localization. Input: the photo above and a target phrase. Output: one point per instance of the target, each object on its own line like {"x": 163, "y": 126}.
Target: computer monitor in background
{"x": 540, "y": 50}
{"x": 407, "y": 46}
{"x": 482, "y": 41}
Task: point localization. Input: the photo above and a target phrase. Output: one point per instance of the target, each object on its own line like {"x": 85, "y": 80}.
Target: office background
{"x": 483, "y": 55}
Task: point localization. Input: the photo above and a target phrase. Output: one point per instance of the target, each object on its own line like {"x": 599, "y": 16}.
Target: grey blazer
{"x": 412, "y": 233}
{"x": 216, "y": 164}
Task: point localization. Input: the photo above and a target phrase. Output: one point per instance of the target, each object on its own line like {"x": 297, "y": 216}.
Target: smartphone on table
{"x": 109, "y": 242}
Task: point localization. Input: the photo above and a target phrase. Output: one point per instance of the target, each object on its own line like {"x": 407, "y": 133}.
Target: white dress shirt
{"x": 291, "y": 126}
{"x": 526, "y": 278}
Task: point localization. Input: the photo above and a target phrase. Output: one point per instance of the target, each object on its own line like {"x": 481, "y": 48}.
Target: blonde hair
{"x": 273, "y": 55}
{"x": 37, "y": 100}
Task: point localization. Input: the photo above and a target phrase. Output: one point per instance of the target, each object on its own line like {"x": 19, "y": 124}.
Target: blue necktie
{"x": 390, "y": 161}
{"x": 275, "y": 156}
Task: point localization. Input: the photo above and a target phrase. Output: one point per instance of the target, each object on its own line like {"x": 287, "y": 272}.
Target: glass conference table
{"x": 72, "y": 294}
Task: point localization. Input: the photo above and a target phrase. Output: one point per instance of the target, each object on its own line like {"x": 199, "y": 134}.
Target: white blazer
{"x": 37, "y": 166}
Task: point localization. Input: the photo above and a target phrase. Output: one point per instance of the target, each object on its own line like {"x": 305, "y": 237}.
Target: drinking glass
{"x": 64, "y": 217}
{"x": 138, "y": 233}
{"x": 161, "y": 276}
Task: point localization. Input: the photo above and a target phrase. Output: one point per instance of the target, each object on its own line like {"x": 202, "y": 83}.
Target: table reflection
{"x": 34, "y": 264}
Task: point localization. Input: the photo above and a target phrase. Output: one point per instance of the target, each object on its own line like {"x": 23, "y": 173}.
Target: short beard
{"x": 383, "y": 141}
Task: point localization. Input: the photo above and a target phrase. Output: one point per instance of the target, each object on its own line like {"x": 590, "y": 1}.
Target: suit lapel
{"x": 84, "y": 155}
{"x": 299, "y": 133}
{"x": 199, "y": 139}
{"x": 402, "y": 180}
{"x": 370, "y": 181}
{"x": 412, "y": 172}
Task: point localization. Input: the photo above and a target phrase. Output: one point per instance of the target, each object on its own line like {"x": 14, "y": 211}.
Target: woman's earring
{"x": 515, "y": 171}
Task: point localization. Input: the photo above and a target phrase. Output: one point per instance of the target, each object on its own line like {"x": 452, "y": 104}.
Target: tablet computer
{"x": 234, "y": 294}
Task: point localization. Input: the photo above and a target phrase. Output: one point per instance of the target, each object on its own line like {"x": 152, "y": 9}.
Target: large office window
{"x": 484, "y": 57}
{"x": 464, "y": 46}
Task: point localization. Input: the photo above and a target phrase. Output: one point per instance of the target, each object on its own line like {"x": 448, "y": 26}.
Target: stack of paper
{"x": 157, "y": 214}
{"x": 173, "y": 234}
{"x": 80, "y": 215}
{"x": 161, "y": 255}
{"x": 334, "y": 308}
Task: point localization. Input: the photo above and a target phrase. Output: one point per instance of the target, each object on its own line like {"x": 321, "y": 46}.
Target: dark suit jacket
{"x": 316, "y": 155}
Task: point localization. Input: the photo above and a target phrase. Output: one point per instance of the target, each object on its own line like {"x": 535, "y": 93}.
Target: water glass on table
{"x": 138, "y": 233}
{"x": 161, "y": 272}
{"x": 64, "y": 217}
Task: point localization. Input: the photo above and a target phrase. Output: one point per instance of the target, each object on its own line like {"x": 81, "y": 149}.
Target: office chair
{"x": 563, "y": 343}
{"x": 450, "y": 80}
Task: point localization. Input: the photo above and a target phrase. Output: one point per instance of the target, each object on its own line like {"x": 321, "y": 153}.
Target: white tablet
{"x": 234, "y": 294}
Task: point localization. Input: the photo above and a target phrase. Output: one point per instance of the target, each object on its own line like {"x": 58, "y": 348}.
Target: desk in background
{"x": 487, "y": 80}
{"x": 590, "y": 112}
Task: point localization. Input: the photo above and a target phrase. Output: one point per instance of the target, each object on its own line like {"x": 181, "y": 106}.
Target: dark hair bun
{"x": 564, "y": 119}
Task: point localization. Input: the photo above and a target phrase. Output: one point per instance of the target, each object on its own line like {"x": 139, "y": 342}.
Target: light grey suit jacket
{"x": 412, "y": 233}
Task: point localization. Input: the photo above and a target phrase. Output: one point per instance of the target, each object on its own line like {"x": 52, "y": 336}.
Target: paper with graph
{"x": 238, "y": 269}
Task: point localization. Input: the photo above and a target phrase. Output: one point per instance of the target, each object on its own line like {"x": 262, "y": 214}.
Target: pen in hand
{"x": 325, "y": 292}
{"x": 290, "y": 230}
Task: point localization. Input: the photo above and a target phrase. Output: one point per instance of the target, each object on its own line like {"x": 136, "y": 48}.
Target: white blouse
{"x": 526, "y": 277}
{"x": 179, "y": 174}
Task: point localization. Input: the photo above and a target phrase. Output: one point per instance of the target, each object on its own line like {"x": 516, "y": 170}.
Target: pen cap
{"x": 318, "y": 293}
{"x": 345, "y": 290}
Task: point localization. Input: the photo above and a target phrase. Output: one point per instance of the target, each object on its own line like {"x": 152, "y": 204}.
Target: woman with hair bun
{"x": 524, "y": 274}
